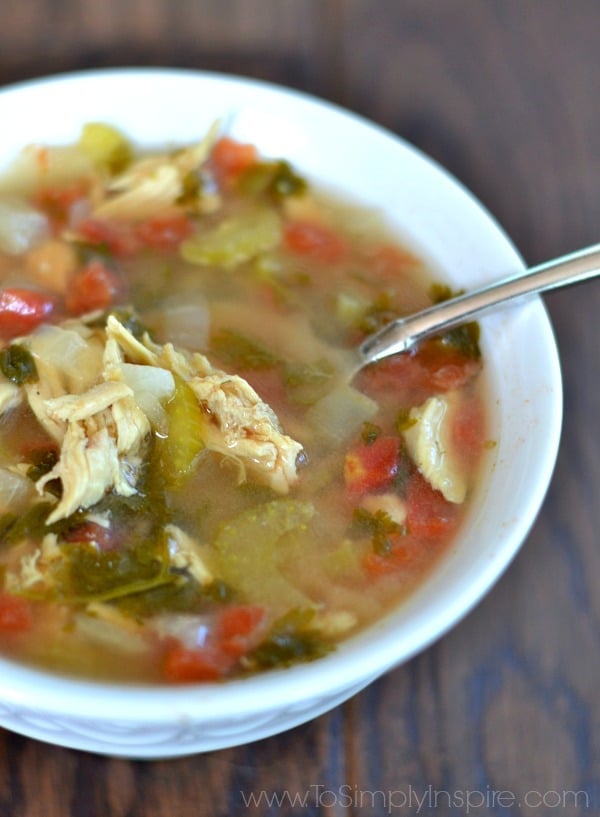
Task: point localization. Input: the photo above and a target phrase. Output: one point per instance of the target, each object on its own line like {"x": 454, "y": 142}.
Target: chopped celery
{"x": 186, "y": 423}
{"x": 251, "y": 548}
{"x": 105, "y": 146}
{"x": 345, "y": 562}
{"x": 241, "y": 238}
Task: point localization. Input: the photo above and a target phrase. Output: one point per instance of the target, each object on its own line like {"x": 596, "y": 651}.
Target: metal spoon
{"x": 401, "y": 334}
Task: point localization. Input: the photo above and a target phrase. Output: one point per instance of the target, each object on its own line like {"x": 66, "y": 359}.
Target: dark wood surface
{"x": 505, "y": 94}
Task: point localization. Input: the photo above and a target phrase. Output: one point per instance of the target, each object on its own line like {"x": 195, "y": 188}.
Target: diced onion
{"x": 21, "y": 226}
{"x": 151, "y": 386}
{"x": 16, "y": 491}
{"x": 339, "y": 415}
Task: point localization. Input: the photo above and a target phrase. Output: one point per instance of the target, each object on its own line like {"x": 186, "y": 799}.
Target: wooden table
{"x": 507, "y": 706}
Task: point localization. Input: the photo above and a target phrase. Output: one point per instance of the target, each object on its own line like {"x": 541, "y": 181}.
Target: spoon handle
{"x": 401, "y": 334}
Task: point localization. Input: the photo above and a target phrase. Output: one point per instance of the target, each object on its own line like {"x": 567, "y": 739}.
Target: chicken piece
{"x": 89, "y": 465}
{"x": 391, "y": 504}
{"x": 10, "y": 396}
{"x": 73, "y": 407}
{"x": 184, "y": 553}
{"x": 429, "y": 443}
{"x": 248, "y": 429}
{"x": 154, "y": 185}
{"x": 242, "y": 425}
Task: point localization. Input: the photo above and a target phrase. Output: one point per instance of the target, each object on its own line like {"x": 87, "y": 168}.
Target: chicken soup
{"x": 190, "y": 489}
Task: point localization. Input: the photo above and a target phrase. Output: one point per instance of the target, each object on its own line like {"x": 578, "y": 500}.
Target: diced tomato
{"x": 230, "y": 158}
{"x": 22, "y": 310}
{"x": 446, "y": 366}
{"x": 103, "y": 537}
{"x": 182, "y": 664}
{"x": 94, "y": 287}
{"x": 371, "y": 467}
{"x": 314, "y": 241}
{"x": 429, "y": 515}
{"x": 413, "y": 377}
{"x": 119, "y": 238}
{"x": 237, "y": 627}
{"x": 165, "y": 233}
{"x": 57, "y": 202}
{"x": 16, "y": 615}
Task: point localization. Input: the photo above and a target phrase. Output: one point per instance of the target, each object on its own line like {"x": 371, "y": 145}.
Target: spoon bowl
{"x": 400, "y": 335}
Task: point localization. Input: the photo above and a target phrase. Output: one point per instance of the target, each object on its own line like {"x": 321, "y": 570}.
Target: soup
{"x": 190, "y": 489}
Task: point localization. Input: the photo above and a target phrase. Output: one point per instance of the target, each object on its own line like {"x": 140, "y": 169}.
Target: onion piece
{"x": 21, "y": 226}
{"x": 340, "y": 414}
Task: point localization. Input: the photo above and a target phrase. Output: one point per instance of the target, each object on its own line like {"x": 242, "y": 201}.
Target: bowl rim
{"x": 63, "y": 695}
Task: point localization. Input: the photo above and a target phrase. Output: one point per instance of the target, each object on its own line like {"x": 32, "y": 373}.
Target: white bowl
{"x": 434, "y": 213}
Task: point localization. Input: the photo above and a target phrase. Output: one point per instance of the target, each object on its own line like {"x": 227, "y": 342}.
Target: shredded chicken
{"x": 102, "y": 425}
{"x": 184, "y": 553}
{"x": 155, "y": 184}
{"x": 248, "y": 429}
{"x": 429, "y": 443}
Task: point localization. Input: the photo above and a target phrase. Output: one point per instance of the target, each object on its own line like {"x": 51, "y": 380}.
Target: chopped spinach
{"x": 17, "y": 364}
{"x": 291, "y": 640}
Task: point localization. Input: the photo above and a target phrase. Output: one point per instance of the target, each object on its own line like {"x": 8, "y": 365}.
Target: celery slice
{"x": 186, "y": 423}
{"x": 236, "y": 240}
{"x": 105, "y": 146}
{"x": 252, "y": 546}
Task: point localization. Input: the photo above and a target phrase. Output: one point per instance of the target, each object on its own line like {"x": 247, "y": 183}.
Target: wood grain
{"x": 504, "y": 95}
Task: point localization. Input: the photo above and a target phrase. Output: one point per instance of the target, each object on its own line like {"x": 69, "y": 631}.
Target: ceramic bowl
{"x": 464, "y": 245}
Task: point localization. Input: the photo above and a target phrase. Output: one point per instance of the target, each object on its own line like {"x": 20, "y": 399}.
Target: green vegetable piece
{"x": 276, "y": 179}
{"x": 240, "y": 352}
{"x": 378, "y": 526}
{"x": 235, "y": 241}
{"x": 252, "y": 546}
{"x": 105, "y": 146}
{"x": 370, "y": 432}
{"x": 29, "y": 525}
{"x": 17, "y": 364}
{"x": 87, "y": 574}
{"x": 290, "y": 641}
{"x": 176, "y": 453}
{"x": 465, "y": 338}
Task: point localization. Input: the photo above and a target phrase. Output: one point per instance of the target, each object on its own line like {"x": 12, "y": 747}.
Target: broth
{"x": 189, "y": 489}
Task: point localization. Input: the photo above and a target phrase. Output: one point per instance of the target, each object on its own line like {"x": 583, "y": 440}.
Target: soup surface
{"x": 189, "y": 488}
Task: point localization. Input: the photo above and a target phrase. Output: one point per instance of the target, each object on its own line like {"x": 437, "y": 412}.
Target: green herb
{"x": 30, "y": 525}
{"x": 181, "y": 595}
{"x": 240, "y": 352}
{"x": 442, "y": 292}
{"x": 307, "y": 382}
{"x": 291, "y": 640}
{"x": 378, "y": 526}
{"x": 377, "y": 314}
{"x": 465, "y": 339}
{"x": 87, "y": 574}
{"x": 275, "y": 179}
{"x": 404, "y": 421}
{"x": 370, "y": 432}
{"x": 17, "y": 364}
